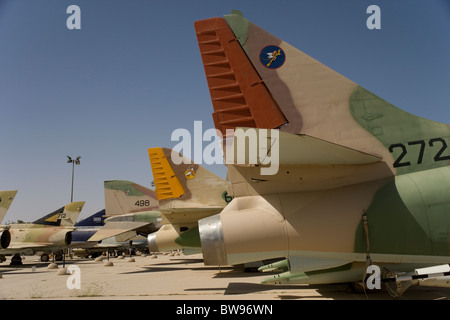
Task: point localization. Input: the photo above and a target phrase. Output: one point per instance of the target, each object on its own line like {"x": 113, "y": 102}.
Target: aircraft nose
{"x": 211, "y": 237}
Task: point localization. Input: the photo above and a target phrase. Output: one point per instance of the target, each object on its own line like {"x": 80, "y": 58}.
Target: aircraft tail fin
{"x": 6, "y": 198}
{"x": 97, "y": 219}
{"x": 122, "y": 197}
{"x": 257, "y": 80}
{"x": 239, "y": 96}
{"x": 185, "y": 185}
{"x": 64, "y": 216}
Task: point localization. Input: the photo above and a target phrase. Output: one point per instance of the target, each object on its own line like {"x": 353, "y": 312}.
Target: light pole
{"x": 73, "y": 162}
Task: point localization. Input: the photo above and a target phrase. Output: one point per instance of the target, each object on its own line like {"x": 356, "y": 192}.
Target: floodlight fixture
{"x": 73, "y": 162}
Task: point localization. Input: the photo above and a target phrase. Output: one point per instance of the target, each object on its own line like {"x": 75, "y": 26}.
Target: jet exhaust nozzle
{"x": 213, "y": 245}
{"x": 151, "y": 242}
{"x": 249, "y": 229}
{"x": 68, "y": 238}
{"x": 5, "y": 239}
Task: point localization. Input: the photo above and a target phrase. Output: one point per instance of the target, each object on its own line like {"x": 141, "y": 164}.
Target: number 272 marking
{"x": 422, "y": 144}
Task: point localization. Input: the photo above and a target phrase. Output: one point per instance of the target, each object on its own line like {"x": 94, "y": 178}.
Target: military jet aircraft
{"x": 6, "y": 198}
{"x": 168, "y": 216}
{"x": 86, "y": 228}
{"x": 342, "y": 180}
{"x": 186, "y": 193}
{"x": 50, "y": 233}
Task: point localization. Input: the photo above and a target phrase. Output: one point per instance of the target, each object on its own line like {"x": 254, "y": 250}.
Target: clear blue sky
{"x": 133, "y": 74}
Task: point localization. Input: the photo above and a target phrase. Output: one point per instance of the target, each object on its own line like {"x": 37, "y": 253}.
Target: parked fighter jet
{"x": 49, "y": 233}
{"x": 86, "y": 228}
{"x": 356, "y": 181}
{"x": 186, "y": 193}
{"x": 6, "y": 198}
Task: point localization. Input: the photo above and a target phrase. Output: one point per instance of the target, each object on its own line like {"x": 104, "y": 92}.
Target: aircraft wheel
{"x": 16, "y": 260}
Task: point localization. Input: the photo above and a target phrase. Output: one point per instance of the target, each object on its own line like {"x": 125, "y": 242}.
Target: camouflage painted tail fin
{"x": 303, "y": 96}
{"x": 6, "y": 198}
{"x": 65, "y": 216}
{"x": 186, "y": 185}
{"x": 122, "y": 197}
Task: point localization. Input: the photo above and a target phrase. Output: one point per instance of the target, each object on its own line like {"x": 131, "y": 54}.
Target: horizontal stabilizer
{"x": 290, "y": 149}
{"x": 146, "y": 222}
{"x": 188, "y": 215}
{"x": 115, "y": 228}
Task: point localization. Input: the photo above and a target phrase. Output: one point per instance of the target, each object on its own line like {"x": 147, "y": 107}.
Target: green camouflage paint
{"x": 127, "y": 188}
{"x": 146, "y": 216}
{"x": 239, "y": 25}
{"x": 189, "y": 238}
{"x": 416, "y": 203}
{"x": 415, "y": 143}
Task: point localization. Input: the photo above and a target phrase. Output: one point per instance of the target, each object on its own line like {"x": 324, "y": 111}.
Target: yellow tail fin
{"x": 167, "y": 185}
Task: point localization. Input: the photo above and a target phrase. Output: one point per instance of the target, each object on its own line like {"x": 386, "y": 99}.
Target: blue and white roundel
{"x": 272, "y": 57}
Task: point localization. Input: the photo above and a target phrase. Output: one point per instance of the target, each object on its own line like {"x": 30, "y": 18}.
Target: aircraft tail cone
{"x": 211, "y": 236}
{"x": 151, "y": 243}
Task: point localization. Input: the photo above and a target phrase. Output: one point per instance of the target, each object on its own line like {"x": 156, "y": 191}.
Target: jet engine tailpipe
{"x": 236, "y": 236}
{"x": 213, "y": 245}
{"x": 5, "y": 239}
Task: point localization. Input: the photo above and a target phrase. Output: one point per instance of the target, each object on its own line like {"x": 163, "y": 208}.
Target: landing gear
{"x": 45, "y": 257}
{"x": 16, "y": 260}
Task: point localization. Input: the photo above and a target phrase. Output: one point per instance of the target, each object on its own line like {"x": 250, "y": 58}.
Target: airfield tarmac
{"x": 166, "y": 277}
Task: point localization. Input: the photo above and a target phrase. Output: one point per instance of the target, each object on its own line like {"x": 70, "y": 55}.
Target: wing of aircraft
{"x": 341, "y": 179}
{"x": 48, "y": 232}
{"x": 186, "y": 193}
{"x": 130, "y": 210}
{"x": 127, "y": 226}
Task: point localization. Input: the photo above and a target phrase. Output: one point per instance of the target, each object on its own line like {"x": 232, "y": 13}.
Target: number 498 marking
{"x": 421, "y": 144}
{"x": 142, "y": 203}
